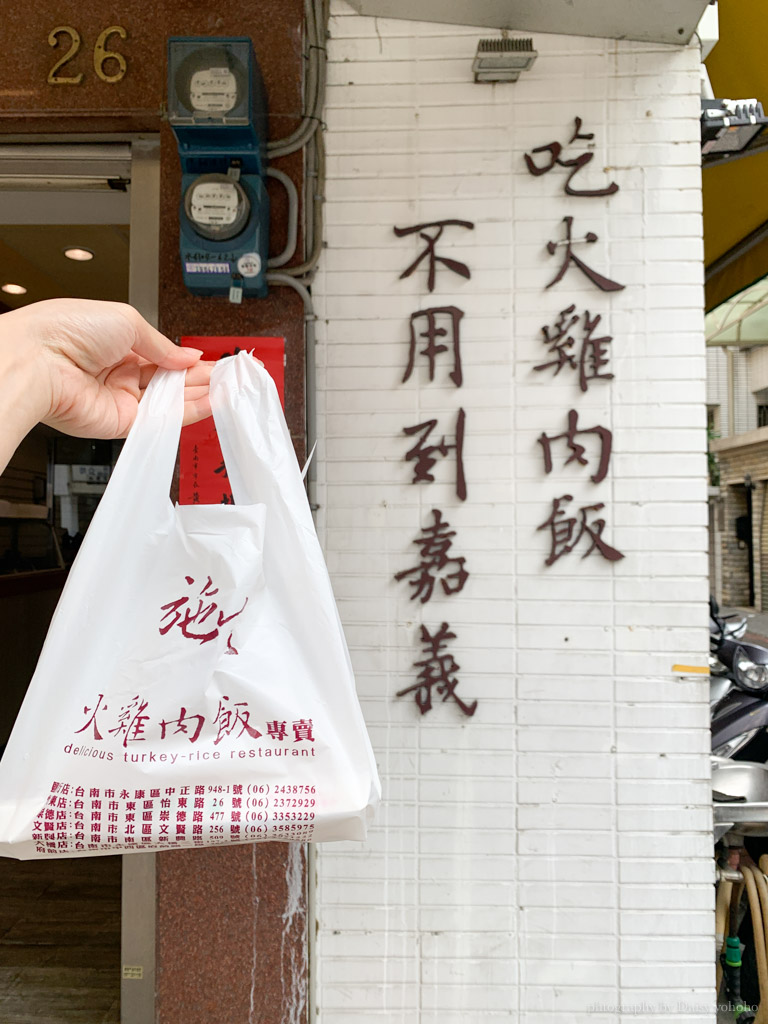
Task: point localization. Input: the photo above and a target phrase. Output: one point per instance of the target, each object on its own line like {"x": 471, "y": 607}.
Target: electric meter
{"x": 217, "y": 206}
{"x": 218, "y": 112}
{"x": 209, "y": 79}
{"x": 213, "y": 91}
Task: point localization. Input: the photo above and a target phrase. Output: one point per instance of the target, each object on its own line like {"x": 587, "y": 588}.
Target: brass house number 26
{"x": 109, "y": 65}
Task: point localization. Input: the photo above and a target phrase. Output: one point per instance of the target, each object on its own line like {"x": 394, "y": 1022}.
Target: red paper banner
{"x": 202, "y": 475}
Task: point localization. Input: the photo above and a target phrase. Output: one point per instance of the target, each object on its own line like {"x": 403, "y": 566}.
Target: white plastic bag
{"x": 195, "y": 686}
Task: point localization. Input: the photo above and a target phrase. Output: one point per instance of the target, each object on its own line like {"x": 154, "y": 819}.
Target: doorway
{"x": 71, "y": 218}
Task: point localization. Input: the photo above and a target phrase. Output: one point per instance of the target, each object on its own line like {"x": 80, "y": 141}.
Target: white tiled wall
{"x": 548, "y": 859}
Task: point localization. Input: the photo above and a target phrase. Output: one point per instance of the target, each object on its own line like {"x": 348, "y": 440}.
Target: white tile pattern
{"x": 552, "y": 853}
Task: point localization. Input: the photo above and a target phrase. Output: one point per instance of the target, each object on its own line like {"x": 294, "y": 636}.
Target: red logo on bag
{"x": 182, "y": 613}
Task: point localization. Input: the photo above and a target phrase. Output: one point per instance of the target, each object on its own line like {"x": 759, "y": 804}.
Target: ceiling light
{"x": 80, "y": 255}
{"x": 502, "y": 60}
{"x": 14, "y": 289}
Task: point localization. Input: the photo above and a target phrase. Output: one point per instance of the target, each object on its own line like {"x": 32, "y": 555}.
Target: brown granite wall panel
{"x": 231, "y": 922}
{"x": 28, "y": 58}
{"x": 232, "y": 931}
{"x": 137, "y": 100}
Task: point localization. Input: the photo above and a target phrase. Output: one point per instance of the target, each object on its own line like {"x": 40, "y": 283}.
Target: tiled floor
{"x": 60, "y": 941}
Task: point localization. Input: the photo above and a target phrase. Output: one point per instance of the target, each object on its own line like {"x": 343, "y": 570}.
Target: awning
{"x": 742, "y": 320}
{"x": 736, "y": 191}
{"x": 656, "y": 21}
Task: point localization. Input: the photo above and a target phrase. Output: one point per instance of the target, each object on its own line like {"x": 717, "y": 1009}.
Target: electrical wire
{"x": 308, "y": 134}
{"x": 312, "y": 138}
{"x": 316, "y": 186}
{"x": 285, "y": 280}
{"x": 316, "y": 12}
{"x": 277, "y": 146}
{"x": 293, "y": 218}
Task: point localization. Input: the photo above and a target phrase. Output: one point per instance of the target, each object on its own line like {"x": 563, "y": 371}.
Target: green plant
{"x": 712, "y": 461}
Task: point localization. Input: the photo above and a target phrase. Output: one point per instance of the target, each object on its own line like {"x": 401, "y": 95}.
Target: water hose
{"x": 724, "y": 890}
{"x": 729, "y": 962}
{"x": 762, "y": 889}
{"x": 758, "y": 931}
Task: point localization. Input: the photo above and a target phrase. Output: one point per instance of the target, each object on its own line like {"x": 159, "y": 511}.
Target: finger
{"x": 200, "y": 373}
{"x": 156, "y": 348}
{"x": 194, "y": 394}
{"x": 196, "y": 410}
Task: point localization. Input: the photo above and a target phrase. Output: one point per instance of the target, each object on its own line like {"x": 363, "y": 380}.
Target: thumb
{"x": 153, "y": 346}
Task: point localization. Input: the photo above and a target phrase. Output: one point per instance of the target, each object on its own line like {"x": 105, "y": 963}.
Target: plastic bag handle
{"x": 251, "y": 428}
{"x": 255, "y": 441}
{"x": 149, "y": 453}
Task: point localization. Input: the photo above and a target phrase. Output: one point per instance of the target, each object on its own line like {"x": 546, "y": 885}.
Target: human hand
{"x": 81, "y": 366}
{"x": 92, "y": 362}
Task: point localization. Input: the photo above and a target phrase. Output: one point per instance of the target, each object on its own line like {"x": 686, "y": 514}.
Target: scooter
{"x": 738, "y": 690}
{"x": 739, "y": 710}
{"x": 722, "y": 630}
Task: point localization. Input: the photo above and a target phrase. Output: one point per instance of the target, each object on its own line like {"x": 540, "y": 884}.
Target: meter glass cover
{"x": 217, "y": 206}
{"x": 209, "y": 81}
{"x": 214, "y": 203}
{"x": 213, "y": 90}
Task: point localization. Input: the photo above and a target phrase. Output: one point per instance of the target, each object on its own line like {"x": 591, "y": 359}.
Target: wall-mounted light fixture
{"x": 502, "y": 60}
{"x": 729, "y": 127}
